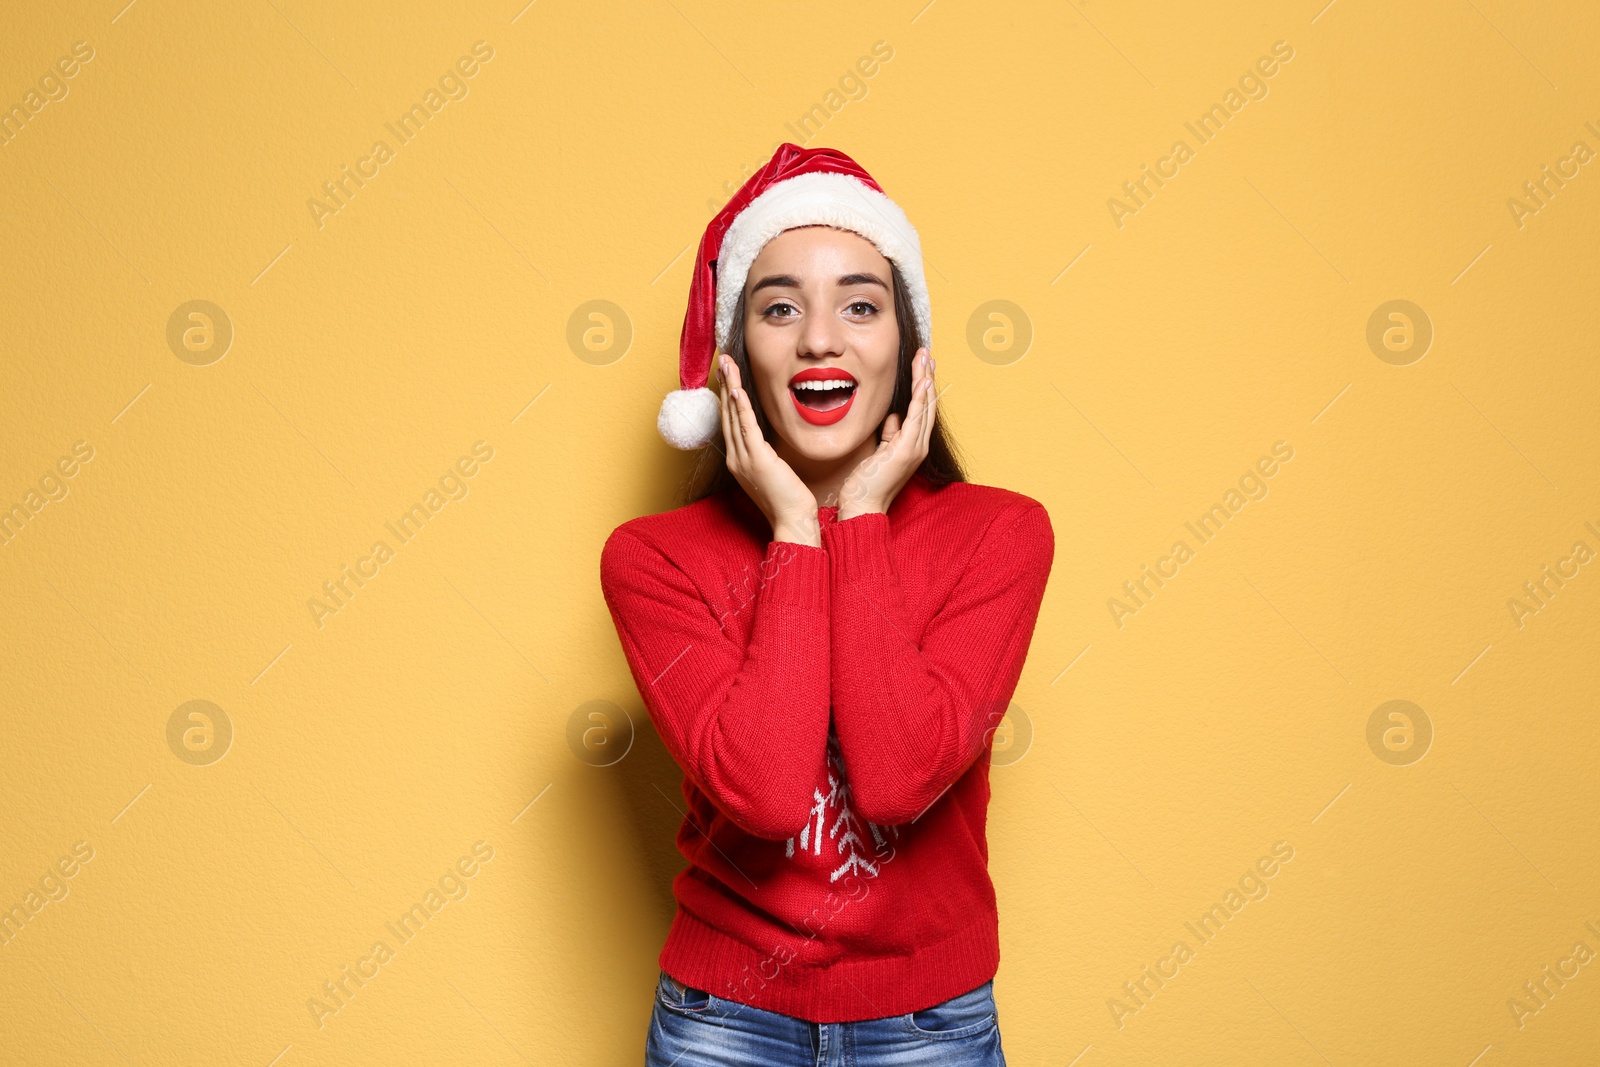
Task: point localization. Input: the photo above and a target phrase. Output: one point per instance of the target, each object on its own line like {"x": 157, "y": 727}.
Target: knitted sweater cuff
{"x": 795, "y": 575}
{"x": 858, "y": 547}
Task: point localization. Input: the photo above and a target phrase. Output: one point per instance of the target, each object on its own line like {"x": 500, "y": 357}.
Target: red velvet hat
{"x": 797, "y": 187}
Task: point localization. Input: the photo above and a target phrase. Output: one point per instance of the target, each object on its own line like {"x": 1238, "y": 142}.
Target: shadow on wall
{"x": 647, "y": 779}
{"x": 650, "y": 781}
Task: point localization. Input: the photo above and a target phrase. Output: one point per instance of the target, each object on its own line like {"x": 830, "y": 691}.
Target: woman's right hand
{"x": 777, "y": 490}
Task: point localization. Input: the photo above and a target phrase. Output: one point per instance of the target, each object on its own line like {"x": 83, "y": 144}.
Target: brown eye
{"x": 775, "y": 307}
{"x": 871, "y": 308}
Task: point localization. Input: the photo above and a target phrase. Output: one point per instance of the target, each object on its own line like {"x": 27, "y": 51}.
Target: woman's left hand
{"x": 878, "y": 479}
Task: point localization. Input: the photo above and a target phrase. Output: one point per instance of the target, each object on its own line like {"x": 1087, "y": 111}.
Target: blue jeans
{"x": 693, "y": 1028}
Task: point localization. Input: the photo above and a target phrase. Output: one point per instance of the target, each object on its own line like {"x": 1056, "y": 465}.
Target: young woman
{"x": 825, "y": 636}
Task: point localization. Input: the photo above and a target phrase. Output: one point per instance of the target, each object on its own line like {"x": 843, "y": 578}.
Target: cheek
{"x": 771, "y": 386}
{"x": 884, "y": 361}
{"x": 884, "y": 345}
{"x": 765, "y": 346}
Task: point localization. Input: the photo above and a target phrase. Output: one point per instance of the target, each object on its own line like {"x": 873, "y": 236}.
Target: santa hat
{"x": 797, "y": 187}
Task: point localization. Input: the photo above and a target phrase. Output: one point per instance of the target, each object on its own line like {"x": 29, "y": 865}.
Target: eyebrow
{"x": 789, "y": 281}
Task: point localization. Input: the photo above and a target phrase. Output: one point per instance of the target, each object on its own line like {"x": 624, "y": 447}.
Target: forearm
{"x": 913, "y": 707}
{"x": 741, "y": 704}
{"x": 763, "y": 748}
{"x": 895, "y": 721}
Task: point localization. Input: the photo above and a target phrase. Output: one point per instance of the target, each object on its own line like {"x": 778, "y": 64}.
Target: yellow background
{"x": 370, "y": 752}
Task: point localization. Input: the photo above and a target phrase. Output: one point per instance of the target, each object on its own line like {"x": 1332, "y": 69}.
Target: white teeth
{"x": 818, "y": 384}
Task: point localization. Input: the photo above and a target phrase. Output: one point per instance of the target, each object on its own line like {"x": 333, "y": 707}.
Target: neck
{"x": 826, "y": 477}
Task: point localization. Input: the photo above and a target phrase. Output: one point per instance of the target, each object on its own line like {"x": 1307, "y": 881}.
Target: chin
{"x": 827, "y": 447}
{"x": 822, "y": 444}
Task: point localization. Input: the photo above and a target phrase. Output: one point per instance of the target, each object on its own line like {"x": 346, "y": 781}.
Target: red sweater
{"x": 832, "y": 710}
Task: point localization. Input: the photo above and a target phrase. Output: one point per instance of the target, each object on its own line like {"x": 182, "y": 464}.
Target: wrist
{"x": 802, "y": 531}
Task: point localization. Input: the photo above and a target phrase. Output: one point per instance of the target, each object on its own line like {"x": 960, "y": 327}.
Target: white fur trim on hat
{"x": 828, "y": 199}
{"x": 689, "y": 418}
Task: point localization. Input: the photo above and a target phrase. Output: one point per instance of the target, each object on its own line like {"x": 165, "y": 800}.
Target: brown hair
{"x": 942, "y": 465}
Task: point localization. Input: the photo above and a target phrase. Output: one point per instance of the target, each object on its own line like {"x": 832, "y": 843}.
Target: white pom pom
{"x": 689, "y": 418}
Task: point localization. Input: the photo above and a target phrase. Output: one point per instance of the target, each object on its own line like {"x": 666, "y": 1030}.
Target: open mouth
{"x": 822, "y": 396}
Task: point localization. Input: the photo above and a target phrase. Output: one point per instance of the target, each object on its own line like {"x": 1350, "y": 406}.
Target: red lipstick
{"x": 822, "y": 406}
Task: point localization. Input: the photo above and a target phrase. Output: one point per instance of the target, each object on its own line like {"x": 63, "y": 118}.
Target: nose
{"x": 821, "y": 336}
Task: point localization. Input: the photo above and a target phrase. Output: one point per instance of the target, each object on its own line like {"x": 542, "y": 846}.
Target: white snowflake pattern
{"x": 846, "y": 826}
